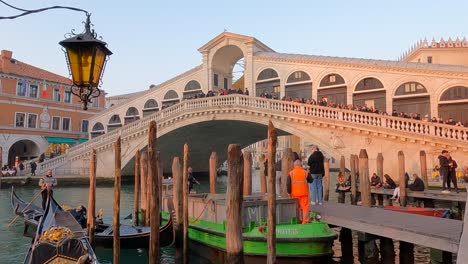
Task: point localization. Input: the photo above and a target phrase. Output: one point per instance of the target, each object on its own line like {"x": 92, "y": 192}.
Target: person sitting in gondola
{"x": 47, "y": 183}
{"x": 79, "y": 213}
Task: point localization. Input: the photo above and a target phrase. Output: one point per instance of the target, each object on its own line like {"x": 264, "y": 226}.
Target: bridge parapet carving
{"x": 368, "y": 123}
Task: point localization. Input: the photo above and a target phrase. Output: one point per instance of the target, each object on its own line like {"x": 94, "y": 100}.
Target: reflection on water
{"x": 13, "y": 246}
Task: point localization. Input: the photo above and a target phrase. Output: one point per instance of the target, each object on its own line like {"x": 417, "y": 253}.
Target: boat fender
{"x": 261, "y": 229}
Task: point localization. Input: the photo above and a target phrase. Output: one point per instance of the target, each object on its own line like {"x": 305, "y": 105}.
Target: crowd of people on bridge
{"x": 325, "y": 102}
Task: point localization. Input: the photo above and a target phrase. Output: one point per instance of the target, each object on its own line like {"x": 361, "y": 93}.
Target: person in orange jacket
{"x": 297, "y": 186}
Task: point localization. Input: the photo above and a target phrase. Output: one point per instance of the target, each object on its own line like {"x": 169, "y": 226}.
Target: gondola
{"x": 130, "y": 236}
{"x": 59, "y": 239}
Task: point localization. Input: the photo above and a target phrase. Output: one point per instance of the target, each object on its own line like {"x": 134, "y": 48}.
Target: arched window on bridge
{"x": 114, "y": 123}
{"x": 333, "y": 88}
{"x": 131, "y": 115}
{"x": 454, "y": 103}
{"x": 370, "y": 92}
{"x": 299, "y": 85}
{"x": 412, "y": 97}
{"x": 151, "y": 106}
{"x": 192, "y": 89}
{"x": 170, "y": 98}
{"x": 268, "y": 82}
{"x": 98, "y": 129}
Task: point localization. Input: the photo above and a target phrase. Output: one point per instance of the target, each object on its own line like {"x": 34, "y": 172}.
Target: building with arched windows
{"x": 39, "y": 113}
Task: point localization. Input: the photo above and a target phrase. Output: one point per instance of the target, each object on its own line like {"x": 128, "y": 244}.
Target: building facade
{"x": 39, "y": 114}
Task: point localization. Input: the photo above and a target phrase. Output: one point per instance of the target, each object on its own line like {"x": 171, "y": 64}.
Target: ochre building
{"x": 38, "y": 112}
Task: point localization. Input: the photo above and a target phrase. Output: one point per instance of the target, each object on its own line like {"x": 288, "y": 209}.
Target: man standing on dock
{"x": 316, "y": 170}
{"x": 47, "y": 183}
{"x": 298, "y": 188}
{"x": 444, "y": 170}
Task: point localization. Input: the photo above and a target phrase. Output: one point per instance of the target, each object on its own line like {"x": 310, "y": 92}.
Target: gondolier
{"x": 47, "y": 183}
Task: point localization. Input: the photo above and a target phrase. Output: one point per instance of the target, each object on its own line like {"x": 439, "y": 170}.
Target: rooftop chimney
{"x": 7, "y": 54}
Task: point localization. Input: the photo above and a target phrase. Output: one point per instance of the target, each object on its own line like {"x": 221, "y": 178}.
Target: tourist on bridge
{"x": 452, "y": 173}
{"x": 33, "y": 168}
{"x": 298, "y": 188}
{"x": 316, "y": 170}
{"x": 191, "y": 179}
{"x": 47, "y": 183}
{"x": 444, "y": 170}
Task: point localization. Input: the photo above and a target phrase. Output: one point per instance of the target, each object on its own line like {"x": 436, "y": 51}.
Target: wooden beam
{"x": 116, "y": 217}
{"x": 234, "y": 246}
{"x": 213, "y": 165}
{"x": 136, "y": 189}
{"x": 92, "y": 197}
{"x": 271, "y": 217}
{"x": 247, "y": 172}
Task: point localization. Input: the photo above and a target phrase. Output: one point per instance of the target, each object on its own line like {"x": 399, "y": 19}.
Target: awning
{"x": 61, "y": 140}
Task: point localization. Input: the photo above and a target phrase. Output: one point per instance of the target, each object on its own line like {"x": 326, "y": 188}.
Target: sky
{"x": 154, "y": 40}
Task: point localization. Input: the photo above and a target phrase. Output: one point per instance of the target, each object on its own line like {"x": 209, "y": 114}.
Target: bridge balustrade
{"x": 270, "y": 106}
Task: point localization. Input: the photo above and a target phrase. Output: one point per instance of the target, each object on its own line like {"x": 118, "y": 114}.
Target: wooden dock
{"x": 438, "y": 233}
{"x": 427, "y": 194}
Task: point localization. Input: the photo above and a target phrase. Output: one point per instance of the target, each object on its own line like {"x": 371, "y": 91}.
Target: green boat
{"x": 295, "y": 242}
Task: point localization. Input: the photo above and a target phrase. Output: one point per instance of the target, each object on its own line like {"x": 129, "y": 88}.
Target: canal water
{"x": 13, "y": 246}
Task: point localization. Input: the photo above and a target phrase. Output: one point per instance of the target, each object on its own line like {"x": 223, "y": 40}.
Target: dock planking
{"x": 427, "y": 194}
{"x": 432, "y": 232}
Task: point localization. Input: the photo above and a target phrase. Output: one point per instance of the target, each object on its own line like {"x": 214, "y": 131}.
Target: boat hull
{"x": 435, "y": 212}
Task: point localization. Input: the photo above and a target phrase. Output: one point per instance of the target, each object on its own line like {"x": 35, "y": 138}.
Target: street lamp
{"x": 86, "y": 56}
{"x": 86, "y": 59}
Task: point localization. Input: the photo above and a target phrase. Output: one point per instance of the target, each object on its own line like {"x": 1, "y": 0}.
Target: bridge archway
{"x": 412, "y": 97}
{"x": 97, "y": 130}
{"x": 170, "y": 98}
{"x": 150, "y": 107}
{"x": 299, "y": 85}
{"x": 24, "y": 150}
{"x": 222, "y": 66}
{"x": 192, "y": 89}
{"x": 114, "y": 123}
{"x": 453, "y": 103}
{"x": 131, "y": 115}
{"x": 268, "y": 82}
{"x": 333, "y": 87}
{"x": 371, "y": 92}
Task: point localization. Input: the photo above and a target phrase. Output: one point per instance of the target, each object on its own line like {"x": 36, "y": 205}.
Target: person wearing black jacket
{"x": 452, "y": 176}
{"x": 417, "y": 185}
{"x": 444, "y": 170}
{"x": 316, "y": 170}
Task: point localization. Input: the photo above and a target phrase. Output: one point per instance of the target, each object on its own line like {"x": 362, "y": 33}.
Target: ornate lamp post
{"x": 86, "y": 56}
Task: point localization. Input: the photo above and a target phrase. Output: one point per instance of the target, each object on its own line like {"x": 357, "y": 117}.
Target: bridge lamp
{"x": 86, "y": 58}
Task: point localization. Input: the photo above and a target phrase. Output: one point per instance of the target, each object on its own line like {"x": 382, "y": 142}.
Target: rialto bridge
{"x": 210, "y": 124}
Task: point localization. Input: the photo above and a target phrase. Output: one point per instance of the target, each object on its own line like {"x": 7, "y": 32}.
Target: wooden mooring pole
{"x": 92, "y": 197}
{"x": 341, "y": 195}
{"x": 234, "y": 246}
{"x": 423, "y": 161}
{"x": 263, "y": 175}
{"x": 247, "y": 172}
{"x": 401, "y": 175}
{"x": 368, "y": 251}
{"x": 286, "y": 166}
{"x": 213, "y": 167}
{"x": 185, "y": 256}
{"x": 271, "y": 217}
{"x": 116, "y": 219}
{"x": 177, "y": 193}
{"x": 153, "y": 174}
{"x": 144, "y": 188}
{"x": 462, "y": 254}
{"x": 136, "y": 189}
{"x": 352, "y": 164}
{"x": 346, "y": 237}
{"x": 326, "y": 180}
{"x": 380, "y": 173}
